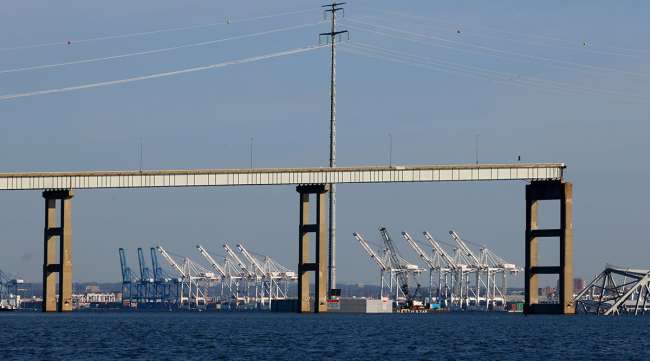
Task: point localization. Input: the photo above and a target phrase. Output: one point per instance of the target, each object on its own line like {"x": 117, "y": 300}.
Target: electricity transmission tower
{"x": 331, "y": 10}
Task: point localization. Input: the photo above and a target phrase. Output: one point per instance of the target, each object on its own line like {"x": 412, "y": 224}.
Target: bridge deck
{"x": 280, "y": 176}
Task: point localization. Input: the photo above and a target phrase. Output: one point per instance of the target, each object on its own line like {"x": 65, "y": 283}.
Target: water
{"x": 264, "y": 336}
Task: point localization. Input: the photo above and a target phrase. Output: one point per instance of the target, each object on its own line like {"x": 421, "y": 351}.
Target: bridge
{"x": 546, "y": 182}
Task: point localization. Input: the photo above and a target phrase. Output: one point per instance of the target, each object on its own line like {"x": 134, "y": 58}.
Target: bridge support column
{"x": 61, "y": 265}
{"x": 540, "y": 191}
{"x": 319, "y": 265}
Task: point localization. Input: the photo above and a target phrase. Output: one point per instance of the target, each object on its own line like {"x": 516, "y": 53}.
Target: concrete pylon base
{"x": 319, "y": 265}
{"x": 61, "y": 266}
{"x": 541, "y": 191}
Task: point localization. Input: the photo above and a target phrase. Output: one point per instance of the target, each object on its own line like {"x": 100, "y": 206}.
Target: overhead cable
{"x": 156, "y": 51}
{"x": 158, "y": 31}
{"x": 162, "y": 75}
{"x": 498, "y": 51}
{"x": 484, "y": 74}
{"x": 515, "y": 37}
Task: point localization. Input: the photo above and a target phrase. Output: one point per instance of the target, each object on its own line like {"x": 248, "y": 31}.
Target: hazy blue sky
{"x": 591, "y": 113}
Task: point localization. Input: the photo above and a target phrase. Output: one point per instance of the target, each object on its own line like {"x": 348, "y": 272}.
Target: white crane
{"x": 495, "y": 266}
{"x": 475, "y": 262}
{"x": 238, "y": 261}
{"x": 401, "y": 269}
{"x": 280, "y": 273}
{"x": 433, "y": 261}
{"x": 456, "y": 276}
{"x": 492, "y": 265}
{"x": 217, "y": 267}
{"x": 193, "y": 278}
{"x": 272, "y": 273}
{"x": 247, "y": 275}
{"x": 382, "y": 264}
{"x": 263, "y": 282}
{"x": 230, "y": 277}
{"x": 257, "y": 267}
{"x": 455, "y": 290}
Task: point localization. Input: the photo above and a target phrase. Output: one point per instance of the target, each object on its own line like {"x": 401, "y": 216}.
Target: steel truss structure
{"x": 615, "y": 291}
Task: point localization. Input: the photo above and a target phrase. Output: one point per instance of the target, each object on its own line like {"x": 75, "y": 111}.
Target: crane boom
{"x": 419, "y": 250}
{"x": 251, "y": 259}
{"x": 171, "y": 261}
{"x": 441, "y": 251}
{"x": 370, "y": 251}
{"x": 239, "y": 262}
{"x": 465, "y": 248}
{"x": 211, "y": 260}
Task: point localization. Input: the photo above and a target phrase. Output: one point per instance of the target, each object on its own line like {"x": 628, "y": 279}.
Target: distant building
{"x": 100, "y": 297}
{"x": 87, "y": 299}
{"x": 578, "y": 285}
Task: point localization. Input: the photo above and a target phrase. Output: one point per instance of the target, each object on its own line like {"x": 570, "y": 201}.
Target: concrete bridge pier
{"x": 319, "y": 265}
{"x": 538, "y": 191}
{"x": 61, "y": 265}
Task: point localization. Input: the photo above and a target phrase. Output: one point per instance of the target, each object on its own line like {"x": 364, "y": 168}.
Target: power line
{"x": 510, "y": 77}
{"x": 153, "y": 32}
{"x": 355, "y": 49}
{"x": 485, "y": 74}
{"x": 569, "y": 44}
{"x": 156, "y": 51}
{"x": 161, "y": 75}
{"x": 514, "y": 78}
{"x": 496, "y": 51}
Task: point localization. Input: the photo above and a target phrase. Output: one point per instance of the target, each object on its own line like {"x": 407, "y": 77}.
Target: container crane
{"x": 127, "y": 279}
{"x": 263, "y": 277}
{"x": 228, "y": 278}
{"x": 401, "y": 269}
{"x": 191, "y": 275}
{"x": 495, "y": 266}
{"x": 400, "y": 276}
{"x": 433, "y": 263}
{"x": 163, "y": 283}
{"x": 279, "y": 273}
{"x": 453, "y": 271}
{"x": 246, "y": 273}
{"x": 383, "y": 265}
{"x": 475, "y": 261}
{"x": 459, "y": 270}
{"x": 146, "y": 282}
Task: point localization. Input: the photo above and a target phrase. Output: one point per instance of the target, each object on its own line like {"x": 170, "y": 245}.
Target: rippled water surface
{"x": 259, "y": 336}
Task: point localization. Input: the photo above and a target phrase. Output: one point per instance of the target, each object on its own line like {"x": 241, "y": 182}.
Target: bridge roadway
{"x": 546, "y": 183}
{"x": 280, "y": 176}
